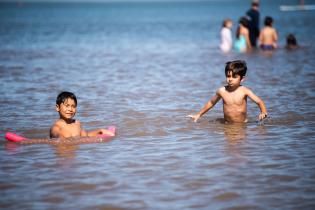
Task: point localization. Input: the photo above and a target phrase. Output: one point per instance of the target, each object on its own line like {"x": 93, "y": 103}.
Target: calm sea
{"x": 143, "y": 67}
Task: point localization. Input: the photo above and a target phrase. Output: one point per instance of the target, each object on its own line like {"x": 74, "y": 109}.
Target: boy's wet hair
{"x": 291, "y": 40}
{"x": 268, "y": 21}
{"x": 63, "y": 96}
{"x": 237, "y": 67}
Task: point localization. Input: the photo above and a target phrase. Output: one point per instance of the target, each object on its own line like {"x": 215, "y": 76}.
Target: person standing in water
{"x": 253, "y": 17}
{"x": 226, "y": 36}
{"x": 242, "y": 42}
{"x": 268, "y": 36}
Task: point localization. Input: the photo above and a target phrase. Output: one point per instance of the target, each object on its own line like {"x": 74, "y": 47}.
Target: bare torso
{"x": 234, "y": 104}
{"x": 268, "y": 36}
{"x": 66, "y": 130}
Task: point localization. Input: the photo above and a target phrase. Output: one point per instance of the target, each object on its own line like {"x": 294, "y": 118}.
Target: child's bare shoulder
{"x": 55, "y": 129}
{"x": 221, "y": 90}
{"x": 77, "y": 122}
{"x": 57, "y": 123}
{"x": 244, "y": 89}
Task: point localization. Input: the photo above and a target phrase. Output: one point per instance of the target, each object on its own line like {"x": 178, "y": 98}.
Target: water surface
{"x": 143, "y": 67}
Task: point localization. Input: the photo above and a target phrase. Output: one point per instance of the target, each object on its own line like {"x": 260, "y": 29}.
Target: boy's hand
{"x": 195, "y": 117}
{"x": 262, "y": 116}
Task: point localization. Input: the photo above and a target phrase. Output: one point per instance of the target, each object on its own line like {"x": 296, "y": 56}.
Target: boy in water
{"x": 291, "y": 42}
{"x": 66, "y": 126}
{"x": 268, "y": 36}
{"x": 234, "y": 96}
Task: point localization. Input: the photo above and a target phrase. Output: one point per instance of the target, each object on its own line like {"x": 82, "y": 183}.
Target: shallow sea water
{"x": 144, "y": 67}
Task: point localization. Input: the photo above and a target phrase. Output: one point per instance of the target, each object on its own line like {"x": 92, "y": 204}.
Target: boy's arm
{"x": 95, "y": 132}
{"x": 259, "y": 102}
{"x": 55, "y": 131}
{"x": 83, "y": 133}
{"x": 100, "y": 132}
{"x": 275, "y": 35}
{"x": 206, "y": 107}
{"x": 275, "y": 38}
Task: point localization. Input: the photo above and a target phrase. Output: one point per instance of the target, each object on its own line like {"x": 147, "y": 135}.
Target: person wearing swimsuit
{"x": 268, "y": 36}
{"x": 242, "y": 42}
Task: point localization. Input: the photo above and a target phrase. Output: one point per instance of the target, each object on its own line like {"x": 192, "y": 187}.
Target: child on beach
{"x": 234, "y": 96}
{"x": 268, "y": 36}
{"x": 66, "y": 126}
{"x": 226, "y": 36}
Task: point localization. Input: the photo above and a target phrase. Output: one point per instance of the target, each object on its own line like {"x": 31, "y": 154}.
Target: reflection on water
{"x": 67, "y": 151}
{"x": 144, "y": 67}
{"x": 235, "y": 132}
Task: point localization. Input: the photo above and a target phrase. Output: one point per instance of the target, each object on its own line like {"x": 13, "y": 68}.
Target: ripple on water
{"x": 227, "y": 196}
{"x": 144, "y": 67}
{"x": 244, "y": 207}
{"x": 282, "y": 178}
{"x": 53, "y": 199}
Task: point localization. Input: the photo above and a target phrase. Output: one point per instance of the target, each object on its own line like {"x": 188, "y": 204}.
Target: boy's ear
{"x": 243, "y": 79}
{"x": 57, "y": 108}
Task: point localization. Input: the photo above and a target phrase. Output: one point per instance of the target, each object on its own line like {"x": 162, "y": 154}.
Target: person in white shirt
{"x": 226, "y": 36}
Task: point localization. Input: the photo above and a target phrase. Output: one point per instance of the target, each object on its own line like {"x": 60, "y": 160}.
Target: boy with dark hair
{"x": 66, "y": 126}
{"x": 234, "y": 96}
{"x": 291, "y": 42}
{"x": 268, "y": 36}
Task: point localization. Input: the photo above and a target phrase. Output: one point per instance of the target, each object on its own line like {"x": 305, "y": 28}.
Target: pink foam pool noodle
{"x": 110, "y": 128}
{"x": 14, "y": 137}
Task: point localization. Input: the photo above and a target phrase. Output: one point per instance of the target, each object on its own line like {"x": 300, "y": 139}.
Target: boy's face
{"x": 67, "y": 109}
{"x": 233, "y": 80}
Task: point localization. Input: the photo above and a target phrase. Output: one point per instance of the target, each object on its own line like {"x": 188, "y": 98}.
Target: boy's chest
{"x": 71, "y": 130}
{"x": 236, "y": 98}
